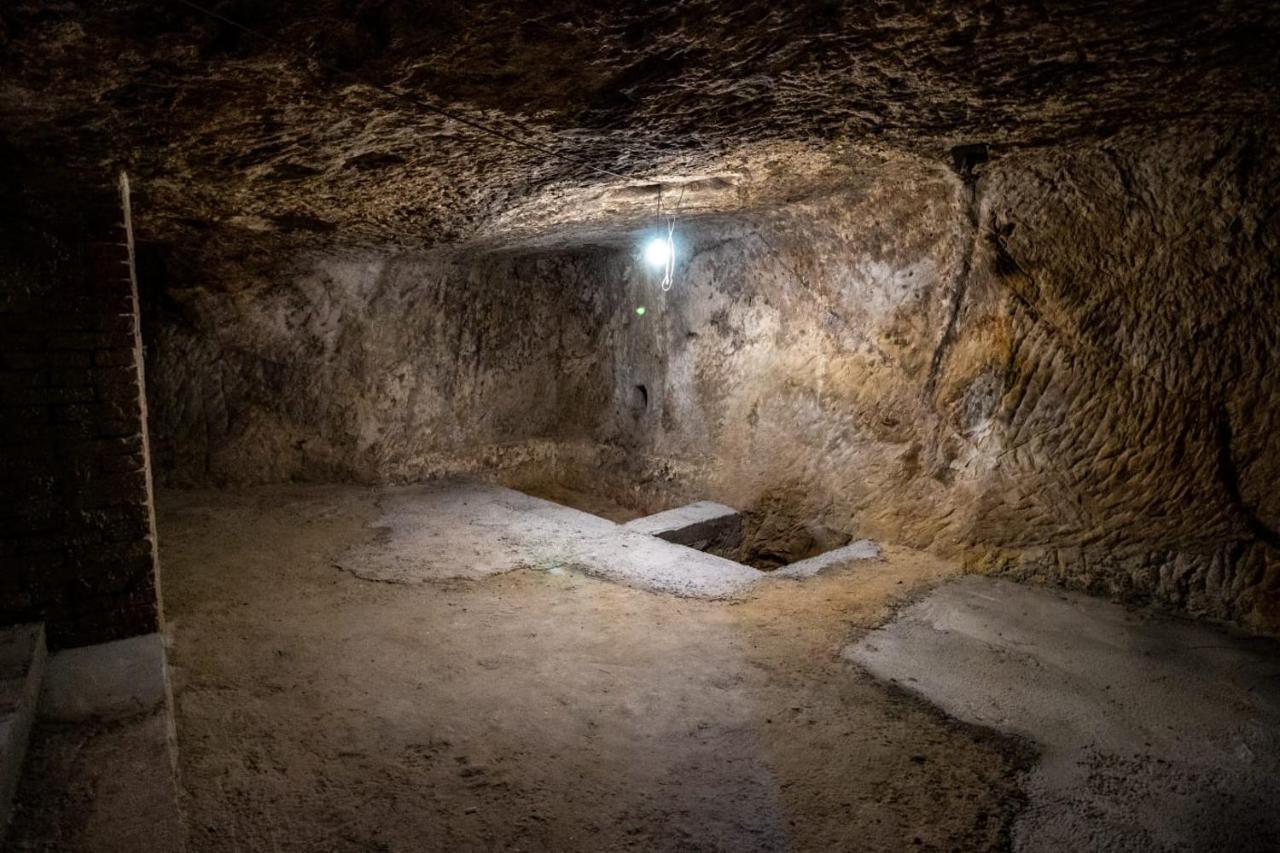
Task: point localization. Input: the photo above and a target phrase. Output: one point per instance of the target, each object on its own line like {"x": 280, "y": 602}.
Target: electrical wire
{"x": 668, "y": 277}
{"x": 669, "y": 268}
{"x": 452, "y": 115}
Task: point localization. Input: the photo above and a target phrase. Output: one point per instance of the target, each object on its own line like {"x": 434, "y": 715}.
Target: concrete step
{"x": 22, "y": 664}
{"x": 863, "y": 549}
{"x": 698, "y": 525}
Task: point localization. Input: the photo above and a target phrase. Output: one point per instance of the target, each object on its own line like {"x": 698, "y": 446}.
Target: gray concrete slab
{"x": 647, "y": 562}
{"x": 22, "y": 662}
{"x": 1156, "y": 735}
{"x": 473, "y": 529}
{"x": 863, "y": 549}
{"x": 698, "y": 525}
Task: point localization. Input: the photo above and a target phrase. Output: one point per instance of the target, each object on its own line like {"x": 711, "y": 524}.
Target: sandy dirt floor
{"x": 543, "y": 710}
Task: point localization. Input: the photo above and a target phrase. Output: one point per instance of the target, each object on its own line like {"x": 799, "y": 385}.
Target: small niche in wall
{"x": 638, "y": 400}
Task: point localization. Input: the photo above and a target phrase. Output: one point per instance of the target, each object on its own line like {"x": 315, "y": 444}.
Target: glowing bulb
{"x": 657, "y": 252}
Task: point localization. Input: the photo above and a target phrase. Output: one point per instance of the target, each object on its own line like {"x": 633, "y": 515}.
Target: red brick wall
{"x": 77, "y": 538}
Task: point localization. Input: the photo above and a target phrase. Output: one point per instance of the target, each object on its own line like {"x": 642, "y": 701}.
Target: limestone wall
{"x": 373, "y": 369}
{"x": 1102, "y": 410}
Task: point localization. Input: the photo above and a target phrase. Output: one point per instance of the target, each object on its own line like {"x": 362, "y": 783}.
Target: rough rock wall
{"x": 374, "y": 369}
{"x": 248, "y": 148}
{"x": 1064, "y": 367}
{"x": 785, "y": 371}
{"x": 1138, "y": 423}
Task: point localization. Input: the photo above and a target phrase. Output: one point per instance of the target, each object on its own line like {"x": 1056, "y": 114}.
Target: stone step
{"x": 863, "y": 549}
{"x": 22, "y": 664}
{"x": 700, "y": 525}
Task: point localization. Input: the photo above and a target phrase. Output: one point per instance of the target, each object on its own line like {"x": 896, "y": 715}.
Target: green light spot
{"x": 640, "y": 310}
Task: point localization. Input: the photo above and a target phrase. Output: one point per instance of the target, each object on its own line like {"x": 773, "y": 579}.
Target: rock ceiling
{"x": 321, "y": 135}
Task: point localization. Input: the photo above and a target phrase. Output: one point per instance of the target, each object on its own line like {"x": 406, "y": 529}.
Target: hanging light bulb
{"x": 660, "y": 252}
{"x": 657, "y": 251}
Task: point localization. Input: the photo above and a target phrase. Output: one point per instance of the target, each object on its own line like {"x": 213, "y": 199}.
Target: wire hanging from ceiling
{"x": 669, "y": 254}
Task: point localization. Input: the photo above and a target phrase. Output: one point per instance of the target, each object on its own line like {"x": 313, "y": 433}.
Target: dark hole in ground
{"x": 773, "y": 533}
{"x": 773, "y": 538}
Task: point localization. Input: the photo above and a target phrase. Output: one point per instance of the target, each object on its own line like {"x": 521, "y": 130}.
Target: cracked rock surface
{"x": 323, "y": 133}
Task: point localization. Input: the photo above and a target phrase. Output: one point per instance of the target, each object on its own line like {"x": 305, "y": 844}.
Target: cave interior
{"x": 569, "y": 425}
